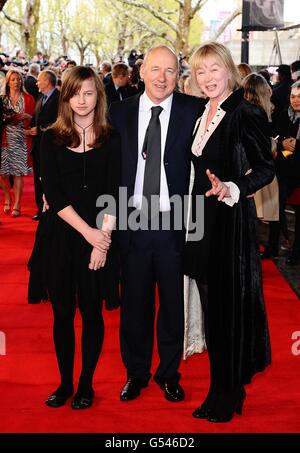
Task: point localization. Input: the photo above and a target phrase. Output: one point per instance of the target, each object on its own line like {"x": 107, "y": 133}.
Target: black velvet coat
{"x": 239, "y": 337}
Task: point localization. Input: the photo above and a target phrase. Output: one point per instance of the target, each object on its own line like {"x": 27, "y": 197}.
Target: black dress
{"x": 60, "y": 257}
{"x": 197, "y": 252}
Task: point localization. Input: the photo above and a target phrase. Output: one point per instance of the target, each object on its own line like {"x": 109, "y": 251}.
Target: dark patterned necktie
{"x": 152, "y": 154}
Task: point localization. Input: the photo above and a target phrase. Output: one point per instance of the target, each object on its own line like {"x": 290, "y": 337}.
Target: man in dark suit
{"x": 30, "y": 82}
{"x": 150, "y": 257}
{"x": 116, "y": 88}
{"x": 46, "y": 111}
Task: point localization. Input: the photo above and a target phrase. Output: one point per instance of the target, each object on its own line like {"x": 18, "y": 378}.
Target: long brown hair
{"x": 257, "y": 91}
{"x": 64, "y": 127}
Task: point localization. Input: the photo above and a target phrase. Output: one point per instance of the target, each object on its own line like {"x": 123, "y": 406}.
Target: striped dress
{"x": 14, "y": 155}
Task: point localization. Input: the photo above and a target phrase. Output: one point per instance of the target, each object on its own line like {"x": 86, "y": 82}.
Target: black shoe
{"x": 82, "y": 402}
{"x": 201, "y": 412}
{"x": 237, "y": 408}
{"x": 173, "y": 392}
{"x": 131, "y": 389}
{"x": 36, "y": 217}
{"x": 58, "y": 399}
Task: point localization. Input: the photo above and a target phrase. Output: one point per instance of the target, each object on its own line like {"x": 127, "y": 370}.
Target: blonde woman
{"x": 231, "y": 138}
{"x": 18, "y": 109}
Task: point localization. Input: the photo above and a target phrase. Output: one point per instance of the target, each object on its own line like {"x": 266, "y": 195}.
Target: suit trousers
{"x": 38, "y": 188}
{"x": 154, "y": 257}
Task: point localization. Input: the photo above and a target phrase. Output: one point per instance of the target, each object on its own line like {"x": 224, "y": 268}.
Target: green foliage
{"x": 101, "y": 28}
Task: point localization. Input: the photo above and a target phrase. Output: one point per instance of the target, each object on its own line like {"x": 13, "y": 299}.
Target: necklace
{"x": 84, "y": 150}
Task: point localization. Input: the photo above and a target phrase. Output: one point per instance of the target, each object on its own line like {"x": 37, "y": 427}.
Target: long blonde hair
{"x": 223, "y": 54}
{"x": 64, "y": 127}
{"x": 257, "y": 91}
{"x": 10, "y": 73}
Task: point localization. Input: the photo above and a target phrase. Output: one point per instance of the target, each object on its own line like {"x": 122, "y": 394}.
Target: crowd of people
{"x": 144, "y": 127}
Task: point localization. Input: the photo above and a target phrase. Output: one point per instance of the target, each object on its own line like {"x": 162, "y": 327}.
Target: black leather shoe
{"x": 131, "y": 389}
{"x": 201, "y": 412}
{"x": 82, "y": 402}
{"x": 173, "y": 392}
{"x": 57, "y": 400}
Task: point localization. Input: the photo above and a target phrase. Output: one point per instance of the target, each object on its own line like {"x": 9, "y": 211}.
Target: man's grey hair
{"x": 34, "y": 69}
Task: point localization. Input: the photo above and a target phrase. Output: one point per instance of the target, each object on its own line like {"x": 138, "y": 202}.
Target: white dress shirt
{"x": 144, "y": 118}
{"x": 201, "y": 138}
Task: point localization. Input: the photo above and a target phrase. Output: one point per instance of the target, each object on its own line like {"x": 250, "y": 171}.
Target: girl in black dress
{"x": 73, "y": 261}
{"x": 231, "y": 142}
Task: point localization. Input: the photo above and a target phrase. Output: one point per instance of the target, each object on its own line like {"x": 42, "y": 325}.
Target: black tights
{"x": 91, "y": 342}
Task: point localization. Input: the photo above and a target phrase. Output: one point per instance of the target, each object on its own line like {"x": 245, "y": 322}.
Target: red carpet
{"x": 28, "y": 372}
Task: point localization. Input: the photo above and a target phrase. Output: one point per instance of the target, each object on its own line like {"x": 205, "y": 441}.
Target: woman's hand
{"x": 22, "y": 116}
{"x": 97, "y": 238}
{"x": 218, "y": 187}
{"x": 97, "y": 260}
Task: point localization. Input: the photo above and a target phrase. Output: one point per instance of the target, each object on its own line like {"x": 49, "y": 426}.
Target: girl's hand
{"x": 99, "y": 239}
{"x": 97, "y": 260}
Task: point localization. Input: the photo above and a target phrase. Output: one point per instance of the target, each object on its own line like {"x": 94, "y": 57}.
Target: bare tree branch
{"x": 155, "y": 13}
{"x": 2, "y": 3}
{"x": 198, "y": 6}
{"x": 180, "y": 2}
{"x": 11, "y": 19}
{"x": 143, "y": 26}
{"x": 226, "y": 22}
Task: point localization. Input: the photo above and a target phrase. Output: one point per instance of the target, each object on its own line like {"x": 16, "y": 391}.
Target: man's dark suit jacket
{"x": 44, "y": 115}
{"x": 113, "y": 96}
{"x": 184, "y": 113}
{"x": 31, "y": 87}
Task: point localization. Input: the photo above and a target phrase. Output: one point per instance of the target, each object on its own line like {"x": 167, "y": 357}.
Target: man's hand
{"x": 32, "y": 131}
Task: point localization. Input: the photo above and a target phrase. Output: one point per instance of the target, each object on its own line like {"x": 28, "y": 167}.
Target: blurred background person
{"x": 116, "y": 88}
{"x": 45, "y": 114}
{"x": 18, "y": 110}
{"x": 244, "y": 69}
{"x": 281, "y": 91}
{"x": 31, "y": 79}
{"x": 288, "y": 164}
{"x": 258, "y": 92}
{"x": 190, "y": 87}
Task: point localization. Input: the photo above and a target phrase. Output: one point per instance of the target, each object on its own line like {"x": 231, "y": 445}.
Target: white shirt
{"x": 144, "y": 118}
{"x": 201, "y": 138}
